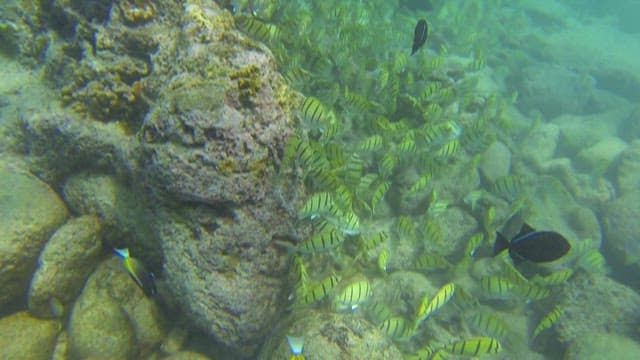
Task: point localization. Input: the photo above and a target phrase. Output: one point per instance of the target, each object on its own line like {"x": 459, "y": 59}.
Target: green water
{"x": 289, "y": 168}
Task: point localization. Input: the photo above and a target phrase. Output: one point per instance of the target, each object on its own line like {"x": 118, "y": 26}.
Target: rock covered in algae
{"x": 603, "y": 345}
{"x": 30, "y": 211}
{"x": 544, "y": 87}
{"x": 100, "y": 328}
{"x": 600, "y": 157}
{"x": 125, "y": 213}
{"x": 187, "y": 355}
{"x": 25, "y": 337}
{"x": 113, "y": 318}
{"x": 552, "y": 207}
{"x": 66, "y": 261}
{"x": 495, "y": 161}
{"x": 329, "y": 335}
{"x": 61, "y": 142}
{"x": 539, "y": 146}
{"x": 209, "y": 147}
{"x": 214, "y": 147}
{"x": 588, "y": 302}
{"x": 628, "y": 171}
{"x": 622, "y": 228}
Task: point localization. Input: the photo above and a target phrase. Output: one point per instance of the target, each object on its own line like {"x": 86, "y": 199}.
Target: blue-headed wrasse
{"x": 145, "y": 279}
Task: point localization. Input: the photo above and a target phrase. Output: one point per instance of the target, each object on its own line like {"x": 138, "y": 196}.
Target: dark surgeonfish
{"x": 137, "y": 271}
{"x": 532, "y": 245}
{"x": 419, "y": 35}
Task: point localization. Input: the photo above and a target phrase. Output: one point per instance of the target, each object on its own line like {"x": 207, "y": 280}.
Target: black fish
{"x": 419, "y": 35}
{"x": 532, "y": 245}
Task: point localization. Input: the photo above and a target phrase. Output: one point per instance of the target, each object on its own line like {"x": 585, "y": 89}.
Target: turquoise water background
{"x": 288, "y": 168}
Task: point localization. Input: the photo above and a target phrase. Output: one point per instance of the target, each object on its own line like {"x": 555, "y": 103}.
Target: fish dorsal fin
{"x": 500, "y": 244}
{"x": 524, "y": 230}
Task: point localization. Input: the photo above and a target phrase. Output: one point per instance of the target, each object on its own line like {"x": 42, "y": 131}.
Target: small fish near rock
{"x": 532, "y": 245}
{"x": 420, "y": 35}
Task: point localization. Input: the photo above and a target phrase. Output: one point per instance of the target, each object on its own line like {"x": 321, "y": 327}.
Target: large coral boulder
{"x": 65, "y": 263}
{"x": 25, "y": 337}
{"x": 330, "y": 335}
{"x": 214, "y": 142}
{"x": 30, "y": 211}
{"x": 588, "y": 301}
{"x": 113, "y": 318}
{"x": 603, "y": 345}
{"x": 622, "y": 228}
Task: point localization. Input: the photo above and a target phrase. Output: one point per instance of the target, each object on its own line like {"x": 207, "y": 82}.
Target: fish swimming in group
{"x": 532, "y": 245}
{"x": 419, "y": 35}
{"x": 145, "y": 279}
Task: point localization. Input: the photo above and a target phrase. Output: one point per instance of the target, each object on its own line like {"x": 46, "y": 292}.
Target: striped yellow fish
{"x": 403, "y": 227}
{"x": 311, "y": 158}
{"x": 592, "y": 261}
{"x": 531, "y": 291}
{"x": 319, "y": 204}
{"x": 342, "y": 197}
{"x": 353, "y": 170}
{"x": 547, "y": 321}
{"x": 496, "y": 287}
{"x": 473, "y": 244}
{"x": 489, "y": 324}
{"x": 407, "y": 144}
{"x": 348, "y": 223}
{"x": 474, "y": 346}
{"x": 257, "y": 28}
{"x": 372, "y": 143}
{"x": 431, "y": 232}
{"x": 325, "y": 240}
{"x": 370, "y": 241}
{"x": 555, "y": 278}
{"x": 509, "y": 186}
{"x": 420, "y": 183}
{"x": 377, "y": 312}
{"x": 320, "y": 290}
{"x": 315, "y": 113}
{"x": 387, "y": 164}
{"x": 352, "y": 295}
{"x": 441, "y": 297}
{"x": 378, "y": 193}
{"x": 431, "y": 262}
{"x": 383, "y": 261}
{"x": 397, "y": 328}
{"x": 449, "y": 148}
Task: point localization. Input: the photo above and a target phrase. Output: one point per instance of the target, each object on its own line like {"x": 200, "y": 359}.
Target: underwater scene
{"x": 297, "y": 179}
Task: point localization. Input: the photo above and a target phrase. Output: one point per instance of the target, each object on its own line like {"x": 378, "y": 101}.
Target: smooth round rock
{"x": 66, "y": 262}
{"x": 496, "y": 161}
{"x": 602, "y": 345}
{"x": 25, "y": 337}
{"x": 30, "y": 211}
{"x": 100, "y": 329}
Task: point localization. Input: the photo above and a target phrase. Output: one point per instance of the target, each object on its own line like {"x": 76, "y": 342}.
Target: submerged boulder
{"x": 30, "y": 211}
{"x": 63, "y": 266}
{"x": 587, "y": 302}
{"x": 25, "y": 337}
{"x": 113, "y": 316}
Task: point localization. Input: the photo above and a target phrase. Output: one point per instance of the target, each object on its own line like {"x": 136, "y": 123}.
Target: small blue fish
{"x": 145, "y": 279}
